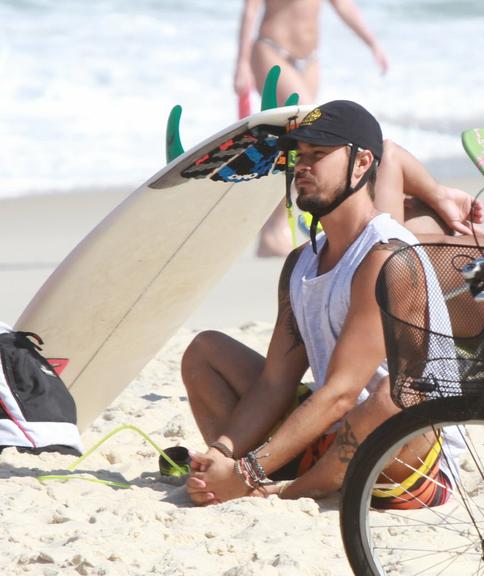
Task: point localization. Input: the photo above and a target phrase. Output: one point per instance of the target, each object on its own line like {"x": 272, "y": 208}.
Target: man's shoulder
{"x": 386, "y": 228}
{"x": 289, "y": 266}
{"x": 377, "y": 256}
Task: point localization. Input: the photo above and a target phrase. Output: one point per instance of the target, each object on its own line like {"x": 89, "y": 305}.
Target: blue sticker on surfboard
{"x": 257, "y": 161}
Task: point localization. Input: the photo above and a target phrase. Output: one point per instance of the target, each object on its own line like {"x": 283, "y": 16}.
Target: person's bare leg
{"x": 275, "y": 236}
{"x": 217, "y": 370}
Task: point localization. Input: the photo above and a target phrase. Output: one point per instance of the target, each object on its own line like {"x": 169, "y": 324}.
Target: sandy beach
{"x": 81, "y": 527}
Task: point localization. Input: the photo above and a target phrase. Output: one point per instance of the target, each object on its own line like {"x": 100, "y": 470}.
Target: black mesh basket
{"x": 434, "y": 328}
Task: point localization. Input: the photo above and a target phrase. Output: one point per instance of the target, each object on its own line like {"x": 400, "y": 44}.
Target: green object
{"x": 269, "y": 92}
{"x": 174, "y": 146}
{"x": 473, "y": 142}
{"x": 291, "y": 159}
{"x": 292, "y": 100}
{"x": 305, "y": 220}
{"x": 176, "y": 470}
{"x": 177, "y": 454}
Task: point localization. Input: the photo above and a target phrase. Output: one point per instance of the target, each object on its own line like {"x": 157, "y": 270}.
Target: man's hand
{"x": 196, "y": 488}
{"x": 213, "y": 479}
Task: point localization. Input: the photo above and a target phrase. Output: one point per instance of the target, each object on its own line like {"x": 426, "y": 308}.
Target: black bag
{"x": 37, "y": 411}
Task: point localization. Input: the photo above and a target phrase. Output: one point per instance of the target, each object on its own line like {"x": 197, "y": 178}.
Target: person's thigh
{"x": 233, "y": 361}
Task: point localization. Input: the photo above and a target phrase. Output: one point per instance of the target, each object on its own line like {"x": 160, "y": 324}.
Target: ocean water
{"x": 86, "y": 86}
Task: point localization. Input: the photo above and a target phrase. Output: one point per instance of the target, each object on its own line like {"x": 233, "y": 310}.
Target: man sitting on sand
{"x": 254, "y": 415}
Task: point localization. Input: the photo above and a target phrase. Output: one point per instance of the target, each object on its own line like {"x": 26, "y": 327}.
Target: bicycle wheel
{"x": 444, "y": 540}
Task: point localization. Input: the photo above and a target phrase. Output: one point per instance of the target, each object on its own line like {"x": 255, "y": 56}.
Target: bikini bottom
{"x": 300, "y": 64}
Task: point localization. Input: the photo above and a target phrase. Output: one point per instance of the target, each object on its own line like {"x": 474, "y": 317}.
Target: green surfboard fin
{"x": 174, "y": 146}
{"x": 269, "y": 92}
{"x": 292, "y": 100}
{"x": 473, "y": 142}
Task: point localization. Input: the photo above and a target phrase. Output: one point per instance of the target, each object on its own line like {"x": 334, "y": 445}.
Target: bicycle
{"x": 437, "y": 378}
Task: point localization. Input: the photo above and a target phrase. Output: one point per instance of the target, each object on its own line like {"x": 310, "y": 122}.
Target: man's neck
{"x": 342, "y": 228}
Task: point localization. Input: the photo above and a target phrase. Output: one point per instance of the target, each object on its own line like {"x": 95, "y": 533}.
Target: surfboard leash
{"x": 178, "y": 471}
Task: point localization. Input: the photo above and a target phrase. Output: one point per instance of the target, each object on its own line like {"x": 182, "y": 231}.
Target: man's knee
{"x": 198, "y": 353}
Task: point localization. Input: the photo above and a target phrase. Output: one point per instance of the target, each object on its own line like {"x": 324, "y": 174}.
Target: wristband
{"x": 223, "y": 449}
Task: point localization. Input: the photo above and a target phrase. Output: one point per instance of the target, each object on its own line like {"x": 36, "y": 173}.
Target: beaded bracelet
{"x": 252, "y": 474}
{"x": 261, "y": 473}
{"x": 242, "y": 475}
{"x": 255, "y": 466}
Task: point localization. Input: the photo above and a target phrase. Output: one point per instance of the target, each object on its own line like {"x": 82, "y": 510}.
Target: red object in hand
{"x": 244, "y": 105}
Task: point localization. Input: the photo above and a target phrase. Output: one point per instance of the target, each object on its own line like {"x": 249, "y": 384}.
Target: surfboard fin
{"x": 269, "y": 92}
{"x": 292, "y": 100}
{"x": 174, "y": 147}
{"x": 473, "y": 142}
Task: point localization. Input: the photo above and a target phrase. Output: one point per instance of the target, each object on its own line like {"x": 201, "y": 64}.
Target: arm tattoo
{"x": 285, "y": 314}
{"x": 409, "y": 259}
{"x": 392, "y": 245}
{"x": 346, "y": 443}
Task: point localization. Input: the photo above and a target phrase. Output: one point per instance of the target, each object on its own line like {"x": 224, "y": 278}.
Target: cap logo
{"x": 311, "y": 117}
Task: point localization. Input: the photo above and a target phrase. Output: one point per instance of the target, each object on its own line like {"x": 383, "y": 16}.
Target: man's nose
{"x": 303, "y": 166}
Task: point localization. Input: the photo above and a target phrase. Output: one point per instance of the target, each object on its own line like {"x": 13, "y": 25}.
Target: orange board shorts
{"x": 426, "y": 487}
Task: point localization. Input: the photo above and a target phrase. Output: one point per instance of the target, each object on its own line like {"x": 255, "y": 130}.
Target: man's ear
{"x": 364, "y": 159}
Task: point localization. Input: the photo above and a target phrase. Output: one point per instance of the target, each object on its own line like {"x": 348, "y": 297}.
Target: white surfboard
{"x": 135, "y": 278}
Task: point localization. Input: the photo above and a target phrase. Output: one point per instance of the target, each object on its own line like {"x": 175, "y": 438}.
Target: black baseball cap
{"x": 337, "y": 123}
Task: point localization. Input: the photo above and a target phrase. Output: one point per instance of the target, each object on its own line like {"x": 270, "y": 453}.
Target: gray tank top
{"x": 320, "y": 303}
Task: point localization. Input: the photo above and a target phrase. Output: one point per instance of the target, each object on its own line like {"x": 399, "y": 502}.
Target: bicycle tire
{"x": 376, "y": 546}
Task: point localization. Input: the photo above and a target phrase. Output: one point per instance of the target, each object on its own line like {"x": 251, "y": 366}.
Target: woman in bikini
{"x": 289, "y": 37}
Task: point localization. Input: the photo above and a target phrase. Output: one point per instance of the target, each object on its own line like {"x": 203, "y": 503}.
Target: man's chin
{"x": 306, "y": 205}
